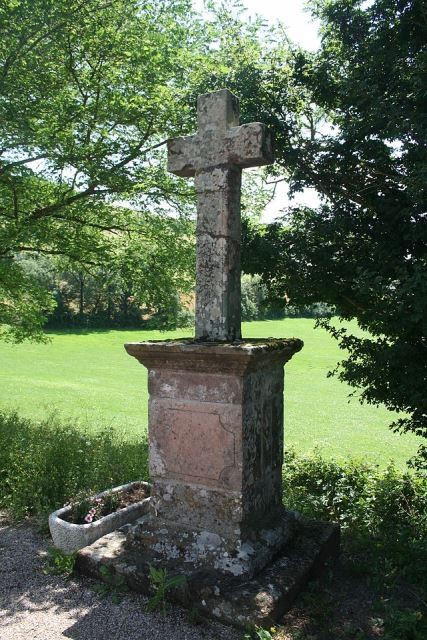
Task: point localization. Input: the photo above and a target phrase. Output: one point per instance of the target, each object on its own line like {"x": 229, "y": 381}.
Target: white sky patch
{"x": 301, "y": 27}
{"x": 303, "y": 30}
{"x": 281, "y": 200}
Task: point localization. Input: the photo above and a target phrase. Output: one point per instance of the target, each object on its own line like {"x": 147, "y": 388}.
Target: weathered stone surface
{"x": 69, "y": 537}
{"x": 218, "y": 311}
{"x": 223, "y": 388}
{"x": 180, "y": 431}
{"x": 216, "y": 156}
{"x": 195, "y": 506}
{"x": 238, "y": 357}
{"x": 221, "y": 596}
{"x": 217, "y": 111}
{"x": 216, "y": 451}
{"x": 221, "y": 548}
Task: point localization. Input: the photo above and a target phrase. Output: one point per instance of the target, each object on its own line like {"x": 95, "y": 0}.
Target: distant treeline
{"x": 100, "y": 298}
{"x": 257, "y": 305}
{"x": 97, "y": 299}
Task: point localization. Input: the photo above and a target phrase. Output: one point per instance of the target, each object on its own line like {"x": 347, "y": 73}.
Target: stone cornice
{"x": 214, "y": 357}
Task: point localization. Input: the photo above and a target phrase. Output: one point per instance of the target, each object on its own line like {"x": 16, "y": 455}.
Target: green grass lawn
{"x": 90, "y": 378}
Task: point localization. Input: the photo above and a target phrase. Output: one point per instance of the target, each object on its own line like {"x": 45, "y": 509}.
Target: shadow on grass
{"x": 80, "y": 331}
{"x": 84, "y": 331}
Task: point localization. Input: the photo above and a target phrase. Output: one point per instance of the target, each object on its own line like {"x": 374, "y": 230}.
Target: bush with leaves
{"x": 357, "y": 134}
{"x": 382, "y": 513}
{"x": 44, "y": 464}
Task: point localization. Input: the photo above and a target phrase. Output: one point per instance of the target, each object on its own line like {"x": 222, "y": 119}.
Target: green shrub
{"x": 44, "y": 464}
{"x": 382, "y": 513}
{"x": 59, "y": 563}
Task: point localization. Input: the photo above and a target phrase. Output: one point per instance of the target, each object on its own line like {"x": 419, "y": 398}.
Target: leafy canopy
{"x": 88, "y": 93}
{"x": 363, "y": 250}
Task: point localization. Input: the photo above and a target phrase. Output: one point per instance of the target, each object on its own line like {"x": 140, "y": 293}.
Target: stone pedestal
{"x": 216, "y": 452}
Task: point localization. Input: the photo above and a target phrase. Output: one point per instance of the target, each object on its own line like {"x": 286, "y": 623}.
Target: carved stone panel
{"x": 196, "y": 442}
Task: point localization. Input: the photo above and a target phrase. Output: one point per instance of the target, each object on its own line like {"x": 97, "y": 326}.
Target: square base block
{"x": 182, "y": 549}
{"x": 233, "y": 600}
{"x": 216, "y": 451}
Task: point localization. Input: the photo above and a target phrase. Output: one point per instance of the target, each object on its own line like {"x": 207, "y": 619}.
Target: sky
{"x": 303, "y": 30}
{"x": 300, "y": 25}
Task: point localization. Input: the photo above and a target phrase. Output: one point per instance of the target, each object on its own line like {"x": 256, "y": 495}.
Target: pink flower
{"x": 92, "y": 511}
{"x": 88, "y": 518}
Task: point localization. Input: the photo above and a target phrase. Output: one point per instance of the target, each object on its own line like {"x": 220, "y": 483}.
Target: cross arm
{"x": 250, "y": 145}
{"x": 181, "y": 152}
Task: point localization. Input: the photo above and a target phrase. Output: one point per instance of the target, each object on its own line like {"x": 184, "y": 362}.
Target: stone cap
{"x": 240, "y": 356}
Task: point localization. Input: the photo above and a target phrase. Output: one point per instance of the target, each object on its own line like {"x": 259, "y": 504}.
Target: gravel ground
{"x": 35, "y": 606}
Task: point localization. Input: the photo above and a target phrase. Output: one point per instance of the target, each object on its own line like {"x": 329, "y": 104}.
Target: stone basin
{"x": 70, "y": 537}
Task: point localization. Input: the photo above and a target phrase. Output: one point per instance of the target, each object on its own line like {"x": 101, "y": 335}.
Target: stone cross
{"x": 216, "y": 403}
{"x": 216, "y": 155}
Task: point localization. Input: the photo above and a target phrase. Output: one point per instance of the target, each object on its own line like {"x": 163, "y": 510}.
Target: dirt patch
{"x": 133, "y": 495}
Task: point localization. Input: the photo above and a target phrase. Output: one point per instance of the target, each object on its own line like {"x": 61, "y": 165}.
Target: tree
{"x": 364, "y": 249}
{"x": 149, "y": 269}
{"x": 89, "y": 90}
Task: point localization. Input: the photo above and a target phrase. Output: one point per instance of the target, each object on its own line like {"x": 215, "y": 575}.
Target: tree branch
{"x": 18, "y": 52}
{"x": 17, "y": 163}
{"x": 15, "y": 203}
{"x": 54, "y": 252}
{"x": 49, "y": 209}
{"x": 114, "y": 228}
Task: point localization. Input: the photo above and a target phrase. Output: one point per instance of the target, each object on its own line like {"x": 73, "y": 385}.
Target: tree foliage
{"x": 89, "y": 91}
{"x": 140, "y": 282}
{"x": 364, "y": 249}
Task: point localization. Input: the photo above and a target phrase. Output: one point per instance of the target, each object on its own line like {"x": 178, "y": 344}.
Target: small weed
{"x": 59, "y": 563}
{"x": 112, "y": 585}
{"x": 401, "y": 624}
{"x": 301, "y": 635}
{"x": 194, "y": 616}
{"x": 258, "y": 633}
{"x": 161, "y": 583}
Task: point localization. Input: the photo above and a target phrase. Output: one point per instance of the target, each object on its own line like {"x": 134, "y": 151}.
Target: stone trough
{"x": 69, "y": 537}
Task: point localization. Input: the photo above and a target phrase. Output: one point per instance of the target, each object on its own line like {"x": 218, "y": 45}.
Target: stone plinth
{"x": 261, "y": 600}
{"x": 216, "y": 452}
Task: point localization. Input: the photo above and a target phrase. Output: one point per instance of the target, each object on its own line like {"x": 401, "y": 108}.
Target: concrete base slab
{"x": 261, "y": 600}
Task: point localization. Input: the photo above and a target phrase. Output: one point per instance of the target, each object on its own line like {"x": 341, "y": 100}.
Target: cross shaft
{"x": 215, "y": 157}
